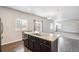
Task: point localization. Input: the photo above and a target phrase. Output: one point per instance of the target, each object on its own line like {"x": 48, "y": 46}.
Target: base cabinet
{"x": 26, "y": 43}
{"x": 44, "y": 48}
{"x": 33, "y": 43}
{"x": 36, "y": 44}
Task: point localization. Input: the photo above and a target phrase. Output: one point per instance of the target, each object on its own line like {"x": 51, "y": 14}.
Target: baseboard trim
{"x": 11, "y": 42}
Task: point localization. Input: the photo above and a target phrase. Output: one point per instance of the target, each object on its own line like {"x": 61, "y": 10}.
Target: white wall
{"x": 70, "y": 26}
{"x": 8, "y": 17}
{"x": 69, "y": 18}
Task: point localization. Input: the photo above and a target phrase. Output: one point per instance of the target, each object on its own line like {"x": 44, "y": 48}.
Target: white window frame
{"x": 21, "y": 24}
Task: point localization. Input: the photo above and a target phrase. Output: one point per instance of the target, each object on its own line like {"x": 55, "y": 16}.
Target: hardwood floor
{"x": 15, "y": 47}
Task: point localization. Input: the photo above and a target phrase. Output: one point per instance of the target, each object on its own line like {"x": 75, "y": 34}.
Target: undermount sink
{"x": 37, "y": 34}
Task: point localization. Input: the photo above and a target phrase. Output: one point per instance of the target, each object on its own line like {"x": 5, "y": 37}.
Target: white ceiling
{"x": 44, "y": 11}
{"x": 50, "y": 11}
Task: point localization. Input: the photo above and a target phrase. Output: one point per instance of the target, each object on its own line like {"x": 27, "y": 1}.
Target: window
{"x": 21, "y": 24}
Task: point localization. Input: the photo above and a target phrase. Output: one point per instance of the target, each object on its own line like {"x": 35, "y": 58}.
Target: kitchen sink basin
{"x": 38, "y": 34}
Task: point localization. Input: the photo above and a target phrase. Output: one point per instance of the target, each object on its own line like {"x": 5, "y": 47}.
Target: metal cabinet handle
{"x": 43, "y": 44}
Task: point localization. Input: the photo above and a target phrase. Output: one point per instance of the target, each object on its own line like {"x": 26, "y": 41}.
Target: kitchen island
{"x": 43, "y": 42}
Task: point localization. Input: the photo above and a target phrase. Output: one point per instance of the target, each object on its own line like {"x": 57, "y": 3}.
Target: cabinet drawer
{"x": 48, "y": 43}
{"x": 44, "y": 48}
{"x": 26, "y": 43}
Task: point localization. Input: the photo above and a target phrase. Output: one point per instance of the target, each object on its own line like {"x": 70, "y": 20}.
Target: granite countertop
{"x": 54, "y": 36}
{"x": 45, "y": 36}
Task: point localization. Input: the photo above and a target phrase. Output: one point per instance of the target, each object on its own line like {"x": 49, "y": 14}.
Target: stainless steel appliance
{"x": 1, "y": 31}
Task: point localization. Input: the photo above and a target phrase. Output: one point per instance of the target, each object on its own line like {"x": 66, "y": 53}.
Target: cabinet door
{"x": 36, "y": 44}
{"x": 26, "y": 43}
{"x": 44, "y": 48}
{"x": 30, "y": 43}
{"x": 33, "y": 44}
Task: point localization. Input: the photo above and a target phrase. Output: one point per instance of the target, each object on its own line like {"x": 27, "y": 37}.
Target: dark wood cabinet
{"x": 36, "y": 44}
{"x": 26, "y": 43}
{"x": 25, "y": 39}
{"x": 33, "y": 43}
{"x": 45, "y": 46}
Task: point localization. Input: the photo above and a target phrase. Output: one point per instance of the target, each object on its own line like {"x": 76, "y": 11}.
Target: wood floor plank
{"x": 15, "y": 47}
